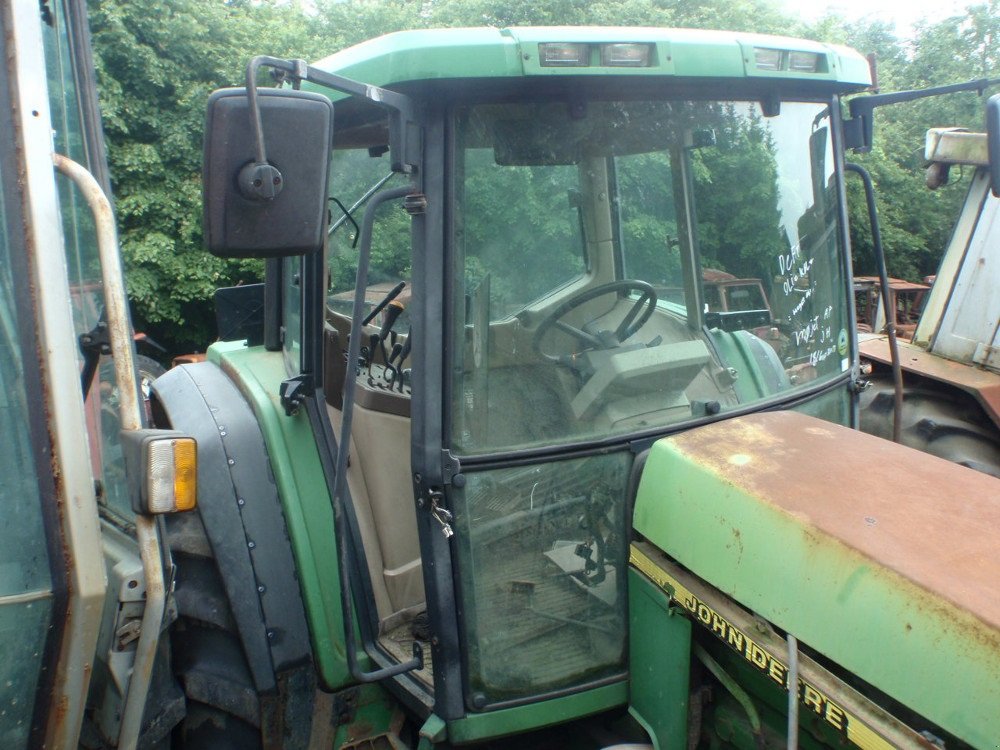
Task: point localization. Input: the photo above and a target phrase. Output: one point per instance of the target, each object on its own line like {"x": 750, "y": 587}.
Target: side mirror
{"x": 245, "y": 218}
{"x": 993, "y": 141}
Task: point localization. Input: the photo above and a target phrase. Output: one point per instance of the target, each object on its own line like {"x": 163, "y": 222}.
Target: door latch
{"x": 442, "y": 515}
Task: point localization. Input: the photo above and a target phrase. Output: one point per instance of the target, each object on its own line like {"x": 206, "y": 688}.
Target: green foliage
{"x": 344, "y": 23}
{"x": 157, "y": 63}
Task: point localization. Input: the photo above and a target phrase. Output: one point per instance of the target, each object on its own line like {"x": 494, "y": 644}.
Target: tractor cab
{"x": 542, "y": 251}
{"x": 561, "y": 296}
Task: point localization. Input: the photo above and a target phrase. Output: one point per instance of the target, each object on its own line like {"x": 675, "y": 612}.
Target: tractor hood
{"x": 878, "y": 557}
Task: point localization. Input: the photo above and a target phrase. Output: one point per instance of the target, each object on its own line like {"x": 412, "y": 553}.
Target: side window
{"x": 356, "y": 175}
{"x": 648, "y": 223}
{"x": 291, "y": 312}
{"x": 741, "y": 210}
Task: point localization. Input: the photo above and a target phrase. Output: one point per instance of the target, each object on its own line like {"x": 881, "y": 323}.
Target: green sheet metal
{"x": 536, "y": 715}
{"x": 878, "y": 557}
{"x": 502, "y": 53}
{"x": 304, "y": 499}
{"x": 660, "y": 659}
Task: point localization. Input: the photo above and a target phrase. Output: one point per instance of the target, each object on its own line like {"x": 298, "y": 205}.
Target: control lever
{"x": 381, "y": 347}
{"x": 403, "y": 354}
{"x": 391, "y": 371}
{"x": 397, "y": 349}
{"x": 405, "y": 351}
{"x": 386, "y": 300}
{"x": 373, "y": 341}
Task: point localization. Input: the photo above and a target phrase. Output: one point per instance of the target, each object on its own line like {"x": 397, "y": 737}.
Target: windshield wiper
{"x": 360, "y": 202}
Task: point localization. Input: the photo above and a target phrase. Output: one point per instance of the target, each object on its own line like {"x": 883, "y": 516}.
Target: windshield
{"x": 624, "y": 266}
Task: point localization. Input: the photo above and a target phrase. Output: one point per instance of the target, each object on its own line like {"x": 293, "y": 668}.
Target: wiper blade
{"x": 360, "y": 202}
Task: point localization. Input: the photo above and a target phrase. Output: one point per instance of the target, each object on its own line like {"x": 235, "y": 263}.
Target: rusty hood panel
{"x": 882, "y": 558}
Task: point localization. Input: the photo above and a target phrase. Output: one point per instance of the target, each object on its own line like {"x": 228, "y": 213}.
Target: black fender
{"x": 241, "y": 510}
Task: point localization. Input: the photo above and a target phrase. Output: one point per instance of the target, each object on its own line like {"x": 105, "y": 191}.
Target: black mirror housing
{"x": 287, "y": 217}
{"x": 993, "y": 141}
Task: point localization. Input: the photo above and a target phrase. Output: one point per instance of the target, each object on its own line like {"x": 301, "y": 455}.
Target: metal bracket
{"x": 93, "y": 344}
{"x": 858, "y": 131}
{"x": 97, "y": 340}
{"x": 415, "y": 204}
{"x": 293, "y": 393}
{"x": 405, "y": 138}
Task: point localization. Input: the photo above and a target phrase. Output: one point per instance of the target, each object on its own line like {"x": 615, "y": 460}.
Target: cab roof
{"x": 464, "y": 53}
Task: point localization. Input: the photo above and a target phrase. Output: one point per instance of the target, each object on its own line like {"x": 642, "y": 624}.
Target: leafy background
{"x": 157, "y": 63}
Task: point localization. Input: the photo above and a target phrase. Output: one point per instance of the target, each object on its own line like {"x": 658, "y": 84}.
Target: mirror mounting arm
{"x": 859, "y": 130}
{"x": 404, "y": 133}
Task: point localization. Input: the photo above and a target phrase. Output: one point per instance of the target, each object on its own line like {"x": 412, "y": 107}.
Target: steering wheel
{"x": 634, "y": 320}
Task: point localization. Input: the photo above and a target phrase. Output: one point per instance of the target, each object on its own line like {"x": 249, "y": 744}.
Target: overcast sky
{"x": 904, "y": 13}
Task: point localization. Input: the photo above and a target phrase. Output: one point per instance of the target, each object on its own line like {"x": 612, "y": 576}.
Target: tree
{"x": 156, "y": 65}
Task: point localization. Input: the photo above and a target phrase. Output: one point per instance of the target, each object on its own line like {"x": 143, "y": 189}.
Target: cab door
{"x": 51, "y": 572}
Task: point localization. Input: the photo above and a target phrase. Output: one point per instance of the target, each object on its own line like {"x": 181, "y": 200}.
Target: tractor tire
{"x": 937, "y": 419}
{"x": 149, "y": 370}
{"x": 223, "y": 707}
{"x": 240, "y": 644}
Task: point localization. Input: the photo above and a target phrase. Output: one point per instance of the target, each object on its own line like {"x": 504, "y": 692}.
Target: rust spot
{"x": 359, "y": 730}
{"x": 60, "y": 710}
{"x": 738, "y": 540}
{"x": 187, "y": 359}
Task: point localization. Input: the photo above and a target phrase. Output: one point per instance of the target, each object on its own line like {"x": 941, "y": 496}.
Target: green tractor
{"x": 473, "y": 478}
{"x": 85, "y": 586}
{"x": 484, "y": 465}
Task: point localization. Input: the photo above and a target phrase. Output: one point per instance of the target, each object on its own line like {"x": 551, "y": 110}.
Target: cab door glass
{"x": 517, "y": 252}
{"x": 542, "y": 553}
{"x": 83, "y": 263}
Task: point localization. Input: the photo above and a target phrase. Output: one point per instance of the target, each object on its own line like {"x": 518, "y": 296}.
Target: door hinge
{"x": 415, "y": 204}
